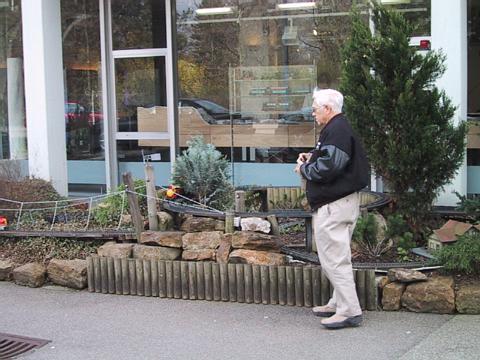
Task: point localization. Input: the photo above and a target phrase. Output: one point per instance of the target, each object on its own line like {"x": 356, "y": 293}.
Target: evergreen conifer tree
{"x": 404, "y": 120}
{"x": 203, "y": 173}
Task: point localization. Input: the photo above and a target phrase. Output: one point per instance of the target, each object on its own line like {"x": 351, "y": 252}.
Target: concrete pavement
{"x": 83, "y": 325}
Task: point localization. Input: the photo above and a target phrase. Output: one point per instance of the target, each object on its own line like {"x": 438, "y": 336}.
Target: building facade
{"x": 92, "y": 88}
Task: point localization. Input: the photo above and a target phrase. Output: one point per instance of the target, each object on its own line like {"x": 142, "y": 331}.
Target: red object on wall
{"x": 424, "y": 44}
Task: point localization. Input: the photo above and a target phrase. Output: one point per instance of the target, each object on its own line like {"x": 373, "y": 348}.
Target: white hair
{"x": 330, "y": 97}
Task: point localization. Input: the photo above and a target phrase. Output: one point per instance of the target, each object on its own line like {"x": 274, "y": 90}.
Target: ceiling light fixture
{"x": 395, "y": 2}
{"x": 297, "y": 6}
{"x": 215, "y": 11}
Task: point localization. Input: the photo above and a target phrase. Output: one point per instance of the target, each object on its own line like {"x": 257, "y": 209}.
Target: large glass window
{"x": 417, "y": 12}
{"x": 13, "y": 139}
{"x": 247, "y": 70}
{"x": 82, "y": 76}
{"x": 140, "y": 86}
{"x": 474, "y": 58}
{"x": 473, "y": 144}
{"x": 138, "y": 24}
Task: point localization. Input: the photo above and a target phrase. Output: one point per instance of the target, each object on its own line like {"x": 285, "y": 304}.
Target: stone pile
{"x": 203, "y": 239}
{"x": 69, "y": 273}
{"x": 414, "y": 291}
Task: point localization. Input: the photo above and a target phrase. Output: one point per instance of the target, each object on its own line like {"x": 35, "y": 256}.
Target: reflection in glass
{"x": 473, "y": 58}
{"x": 138, "y": 24}
{"x": 418, "y": 13}
{"x": 13, "y": 139}
{"x": 135, "y": 150}
{"x": 246, "y": 77}
{"x": 81, "y": 59}
{"x": 141, "y": 94}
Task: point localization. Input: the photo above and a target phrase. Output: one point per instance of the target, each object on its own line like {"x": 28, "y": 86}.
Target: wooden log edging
{"x": 284, "y": 285}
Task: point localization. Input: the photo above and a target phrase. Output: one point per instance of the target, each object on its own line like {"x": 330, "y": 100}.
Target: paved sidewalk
{"x": 82, "y": 325}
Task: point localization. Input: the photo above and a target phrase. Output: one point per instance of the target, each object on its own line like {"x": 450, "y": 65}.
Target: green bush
{"x": 365, "y": 238}
{"x": 253, "y": 201}
{"x": 204, "y": 174}
{"x": 107, "y": 213}
{"x": 367, "y": 241}
{"x": 404, "y": 120}
{"x": 399, "y": 231}
{"x": 461, "y": 257}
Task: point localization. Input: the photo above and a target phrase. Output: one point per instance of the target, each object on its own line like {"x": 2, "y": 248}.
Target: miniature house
{"x": 449, "y": 233}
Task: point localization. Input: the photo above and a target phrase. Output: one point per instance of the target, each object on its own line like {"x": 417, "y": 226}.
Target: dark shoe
{"x": 340, "y": 322}
{"x": 323, "y": 311}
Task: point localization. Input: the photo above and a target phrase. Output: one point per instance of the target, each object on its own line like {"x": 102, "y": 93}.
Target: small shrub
{"x": 365, "y": 238}
{"x": 107, "y": 213}
{"x": 25, "y": 190}
{"x": 461, "y": 257}
{"x": 203, "y": 173}
{"x": 399, "y": 231}
{"x": 253, "y": 201}
{"x": 293, "y": 229}
{"x": 369, "y": 242}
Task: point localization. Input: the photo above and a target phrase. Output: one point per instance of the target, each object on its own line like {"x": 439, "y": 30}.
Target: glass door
{"x": 140, "y": 81}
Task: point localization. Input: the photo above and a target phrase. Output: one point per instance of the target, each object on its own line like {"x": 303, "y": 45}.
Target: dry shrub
{"x": 28, "y": 190}
{"x": 15, "y": 187}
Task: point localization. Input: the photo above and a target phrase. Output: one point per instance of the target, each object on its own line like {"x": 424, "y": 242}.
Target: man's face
{"x": 321, "y": 113}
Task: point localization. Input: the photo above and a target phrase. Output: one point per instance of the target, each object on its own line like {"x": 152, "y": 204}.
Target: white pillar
{"x": 17, "y": 133}
{"x": 449, "y": 33}
{"x": 44, "y": 91}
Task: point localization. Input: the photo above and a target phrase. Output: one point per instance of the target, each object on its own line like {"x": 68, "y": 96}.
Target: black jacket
{"x": 338, "y": 166}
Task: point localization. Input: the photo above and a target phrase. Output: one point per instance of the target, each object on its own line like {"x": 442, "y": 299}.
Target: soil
{"x": 42, "y": 250}
{"x": 462, "y": 279}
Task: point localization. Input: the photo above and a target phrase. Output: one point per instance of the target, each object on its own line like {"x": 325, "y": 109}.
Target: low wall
{"x": 243, "y": 283}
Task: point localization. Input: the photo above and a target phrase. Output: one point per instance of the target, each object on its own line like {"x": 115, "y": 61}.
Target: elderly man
{"x": 334, "y": 172}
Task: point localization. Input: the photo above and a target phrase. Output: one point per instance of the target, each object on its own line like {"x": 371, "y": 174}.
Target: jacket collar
{"x": 333, "y": 119}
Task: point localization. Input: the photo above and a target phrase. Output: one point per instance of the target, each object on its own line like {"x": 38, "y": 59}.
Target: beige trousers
{"x": 333, "y": 226}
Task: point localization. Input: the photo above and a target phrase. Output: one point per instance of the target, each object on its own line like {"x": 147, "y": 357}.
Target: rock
{"x": 382, "y": 282}
{"x": 155, "y": 252}
{"x": 392, "y": 294}
{"x": 199, "y": 255}
{"x": 381, "y": 226}
{"x": 255, "y": 241}
{"x": 435, "y": 295}
{"x": 126, "y": 219}
{"x": 198, "y": 224}
{"x": 69, "y": 273}
{"x": 162, "y": 238}
{"x": 468, "y": 299}
{"x": 165, "y": 221}
{"x": 6, "y": 268}
{"x": 32, "y": 275}
{"x": 255, "y": 224}
{"x": 405, "y": 275}
{"x": 224, "y": 249}
{"x": 243, "y": 256}
{"x": 202, "y": 240}
{"x": 180, "y": 218}
{"x": 112, "y": 249}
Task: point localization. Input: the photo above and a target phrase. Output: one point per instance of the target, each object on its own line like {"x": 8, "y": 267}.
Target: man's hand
{"x": 303, "y": 157}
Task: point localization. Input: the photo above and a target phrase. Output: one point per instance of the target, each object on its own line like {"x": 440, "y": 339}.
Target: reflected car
{"x": 212, "y": 112}
{"x": 294, "y": 117}
{"x": 76, "y": 114}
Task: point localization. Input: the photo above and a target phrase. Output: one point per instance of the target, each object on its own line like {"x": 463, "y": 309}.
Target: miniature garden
{"x": 203, "y": 218}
